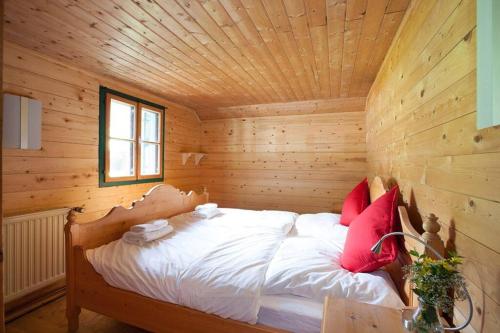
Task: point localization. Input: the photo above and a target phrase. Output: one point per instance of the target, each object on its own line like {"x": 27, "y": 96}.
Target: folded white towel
{"x": 141, "y": 238}
{"x": 207, "y": 213}
{"x": 206, "y": 206}
{"x": 150, "y": 226}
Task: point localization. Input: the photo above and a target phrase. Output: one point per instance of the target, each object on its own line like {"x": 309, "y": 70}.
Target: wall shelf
{"x": 197, "y": 157}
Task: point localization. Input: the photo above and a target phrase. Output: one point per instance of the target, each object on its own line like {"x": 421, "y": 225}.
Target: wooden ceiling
{"x": 208, "y": 54}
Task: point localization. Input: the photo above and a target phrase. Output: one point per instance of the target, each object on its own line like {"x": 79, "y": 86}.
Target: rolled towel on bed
{"x": 207, "y": 213}
{"x": 208, "y": 205}
{"x": 141, "y": 238}
{"x": 150, "y": 226}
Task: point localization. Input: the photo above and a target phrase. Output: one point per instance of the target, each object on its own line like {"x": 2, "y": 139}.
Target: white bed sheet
{"x": 291, "y": 313}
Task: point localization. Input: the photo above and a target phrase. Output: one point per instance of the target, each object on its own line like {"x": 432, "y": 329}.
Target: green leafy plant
{"x": 436, "y": 282}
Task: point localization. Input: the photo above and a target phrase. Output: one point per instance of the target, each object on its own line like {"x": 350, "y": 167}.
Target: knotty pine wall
{"x": 421, "y": 133}
{"x": 302, "y": 163}
{"x": 64, "y": 172}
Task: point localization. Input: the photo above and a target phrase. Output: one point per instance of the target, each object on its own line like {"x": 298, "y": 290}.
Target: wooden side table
{"x": 347, "y": 316}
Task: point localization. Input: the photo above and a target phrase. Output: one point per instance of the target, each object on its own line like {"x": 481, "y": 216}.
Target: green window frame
{"x": 140, "y": 107}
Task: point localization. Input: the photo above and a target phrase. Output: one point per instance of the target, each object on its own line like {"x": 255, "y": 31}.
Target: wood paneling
{"x": 217, "y": 53}
{"x": 351, "y": 104}
{"x": 303, "y": 163}
{"x": 64, "y": 171}
{"x": 421, "y": 132}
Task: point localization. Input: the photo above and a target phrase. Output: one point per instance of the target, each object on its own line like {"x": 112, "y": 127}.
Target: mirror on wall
{"x": 488, "y": 63}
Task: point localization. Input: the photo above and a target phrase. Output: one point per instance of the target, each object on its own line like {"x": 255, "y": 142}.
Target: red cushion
{"x": 355, "y": 203}
{"x": 375, "y": 221}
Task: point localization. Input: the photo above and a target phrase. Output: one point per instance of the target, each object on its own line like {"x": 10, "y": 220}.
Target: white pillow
{"x": 321, "y": 225}
{"x": 310, "y": 267}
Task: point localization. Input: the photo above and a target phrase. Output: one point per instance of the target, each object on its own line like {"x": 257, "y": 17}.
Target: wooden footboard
{"x": 87, "y": 289}
{"x": 93, "y": 293}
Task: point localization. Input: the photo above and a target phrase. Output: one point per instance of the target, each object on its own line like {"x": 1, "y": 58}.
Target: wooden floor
{"x": 51, "y": 318}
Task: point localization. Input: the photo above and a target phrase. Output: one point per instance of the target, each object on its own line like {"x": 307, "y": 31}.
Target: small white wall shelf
{"x": 197, "y": 157}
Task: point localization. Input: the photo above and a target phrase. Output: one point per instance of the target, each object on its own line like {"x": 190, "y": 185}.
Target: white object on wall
{"x": 197, "y": 157}
{"x": 22, "y": 122}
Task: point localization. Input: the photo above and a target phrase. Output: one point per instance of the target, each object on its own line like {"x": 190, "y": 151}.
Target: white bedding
{"x": 309, "y": 267}
{"x": 229, "y": 264}
{"x": 217, "y": 266}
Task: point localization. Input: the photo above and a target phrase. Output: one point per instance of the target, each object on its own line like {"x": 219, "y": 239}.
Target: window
{"x": 130, "y": 139}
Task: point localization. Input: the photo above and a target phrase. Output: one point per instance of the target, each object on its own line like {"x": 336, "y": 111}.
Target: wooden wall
{"x": 303, "y": 163}
{"x": 64, "y": 172}
{"x": 421, "y": 132}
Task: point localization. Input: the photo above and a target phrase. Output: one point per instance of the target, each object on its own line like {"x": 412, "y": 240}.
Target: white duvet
{"x": 217, "y": 266}
{"x": 223, "y": 265}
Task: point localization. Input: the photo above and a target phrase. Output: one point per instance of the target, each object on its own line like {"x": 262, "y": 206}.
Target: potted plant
{"x": 437, "y": 283}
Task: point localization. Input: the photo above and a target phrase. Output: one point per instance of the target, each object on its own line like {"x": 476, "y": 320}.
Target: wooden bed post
{"x": 431, "y": 228}
{"x": 71, "y": 235}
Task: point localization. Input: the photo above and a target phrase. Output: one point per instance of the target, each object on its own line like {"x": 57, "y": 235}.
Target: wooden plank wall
{"x": 421, "y": 132}
{"x": 64, "y": 172}
{"x": 303, "y": 163}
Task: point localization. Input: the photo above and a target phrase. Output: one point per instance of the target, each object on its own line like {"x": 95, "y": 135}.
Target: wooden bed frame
{"x": 87, "y": 289}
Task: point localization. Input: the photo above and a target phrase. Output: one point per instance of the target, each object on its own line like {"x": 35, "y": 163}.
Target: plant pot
{"x": 425, "y": 319}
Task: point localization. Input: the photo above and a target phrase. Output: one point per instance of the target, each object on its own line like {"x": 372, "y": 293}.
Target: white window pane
{"x": 150, "y": 159}
{"x": 122, "y": 120}
{"x": 150, "y": 125}
{"x": 121, "y": 158}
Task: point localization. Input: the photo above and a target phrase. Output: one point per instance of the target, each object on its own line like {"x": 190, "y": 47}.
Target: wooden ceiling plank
{"x": 297, "y": 16}
{"x": 171, "y": 43}
{"x": 258, "y": 24}
{"x": 316, "y": 12}
{"x": 102, "y": 42}
{"x": 214, "y": 57}
{"x": 375, "y": 12}
{"x": 276, "y": 13}
{"x": 351, "y": 42}
{"x": 388, "y": 29}
{"x": 231, "y": 19}
{"x": 356, "y": 9}
{"x": 319, "y": 36}
{"x": 397, "y": 6}
{"x": 336, "y": 13}
{"x": 165, "y": 54}
{"x": 244, "y": 32}
{"x": 220, "y": 46}
{"x": 106, "y": 25}
{"x": 44, "y": 41}
{"x": 38, "y": 44}
{"x": 316, "y": 17}
{"x": 216, "y": 35}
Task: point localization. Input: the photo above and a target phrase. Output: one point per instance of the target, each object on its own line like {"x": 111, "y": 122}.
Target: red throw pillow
{"x": 355, "y": 203}
{"x": 374, "y": 222}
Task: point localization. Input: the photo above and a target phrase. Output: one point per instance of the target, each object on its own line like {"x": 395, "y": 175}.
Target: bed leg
{"x": 72, "y": 314}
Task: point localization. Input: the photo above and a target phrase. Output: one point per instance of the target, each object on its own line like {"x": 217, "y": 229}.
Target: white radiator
{"x": 33, "y": 249}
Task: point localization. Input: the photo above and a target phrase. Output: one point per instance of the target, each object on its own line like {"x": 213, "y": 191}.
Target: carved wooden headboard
{"x": 162, "y": 201}
{"x": 430, "y": 236}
